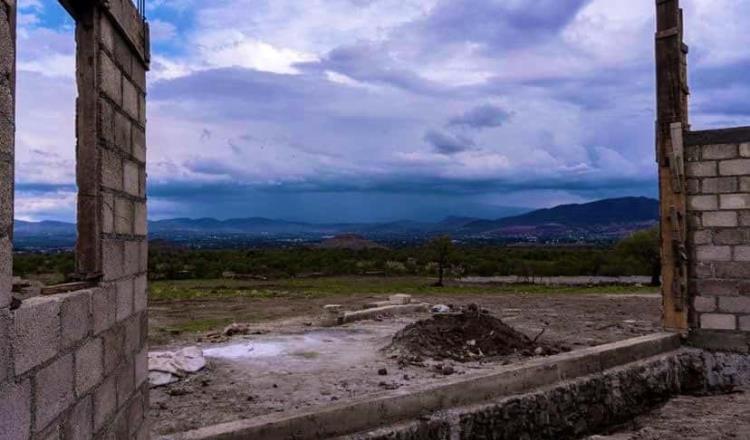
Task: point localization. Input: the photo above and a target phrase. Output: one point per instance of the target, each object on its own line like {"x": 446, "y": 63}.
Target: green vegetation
{"x": 354, "y": 286}
{"x": 636, "y": 255}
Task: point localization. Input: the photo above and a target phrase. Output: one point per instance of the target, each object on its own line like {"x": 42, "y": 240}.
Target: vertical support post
{"x": 88, "y": 246}
{"x": 672, "y": 122}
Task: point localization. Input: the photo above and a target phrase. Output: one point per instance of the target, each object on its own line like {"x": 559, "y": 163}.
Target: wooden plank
{"x": 672, "y": 121}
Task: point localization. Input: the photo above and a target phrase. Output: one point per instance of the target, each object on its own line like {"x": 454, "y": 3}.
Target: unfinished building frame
{"x": 73, "y": 363}
{"x": 704, "y": 180}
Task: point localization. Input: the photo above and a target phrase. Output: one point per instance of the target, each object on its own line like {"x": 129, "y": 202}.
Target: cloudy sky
{"x": 351, "y": 110}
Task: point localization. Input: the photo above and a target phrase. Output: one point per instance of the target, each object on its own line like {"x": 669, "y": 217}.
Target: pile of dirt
{"x": 468, "y": 335}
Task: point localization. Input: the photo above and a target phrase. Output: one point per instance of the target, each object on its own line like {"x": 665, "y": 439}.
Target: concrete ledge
{"x": 718, "y": 340}
{"x": 361, "y": 315}
{"x": 734, "y": 135}
{"x": 411, "y": 403}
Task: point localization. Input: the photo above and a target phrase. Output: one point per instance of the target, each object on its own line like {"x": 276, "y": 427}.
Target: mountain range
{"x": 609, "y": 218}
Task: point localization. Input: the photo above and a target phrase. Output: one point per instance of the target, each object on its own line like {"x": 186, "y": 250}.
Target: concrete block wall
{"x": 7, "y": 132}
{"x": 718, "y": 186}
{"x": 74, "y": 366}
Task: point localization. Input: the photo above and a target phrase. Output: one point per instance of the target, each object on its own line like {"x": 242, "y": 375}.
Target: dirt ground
{"x": 292, "y": 364}
{"x": 696, "y": 418}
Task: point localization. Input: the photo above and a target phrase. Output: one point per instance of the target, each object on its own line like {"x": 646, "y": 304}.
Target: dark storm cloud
{"x": 483, "y": 116}
{"x": 445, "y": 143}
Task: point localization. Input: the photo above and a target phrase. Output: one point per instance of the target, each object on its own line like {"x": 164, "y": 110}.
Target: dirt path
{"x": 692, "y": 418}
{"x": 295, "y": 366}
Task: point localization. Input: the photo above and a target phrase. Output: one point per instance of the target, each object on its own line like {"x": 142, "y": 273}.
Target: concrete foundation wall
{"x": 718, "y": 186}
{"x": 573, "y": 409}
{"x": 74, "y": 366}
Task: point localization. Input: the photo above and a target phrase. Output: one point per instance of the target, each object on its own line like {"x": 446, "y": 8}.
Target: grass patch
{"x": 181, "y": 290}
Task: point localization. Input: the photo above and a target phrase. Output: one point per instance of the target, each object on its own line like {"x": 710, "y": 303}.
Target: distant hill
{"x": 350, "y": 241}
{"x": 608, "y": 212}
{"x": 604, "y": 219}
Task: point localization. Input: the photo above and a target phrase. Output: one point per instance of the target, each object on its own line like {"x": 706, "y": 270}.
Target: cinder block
{"x": 731, "y": 236}
{"x": 130, "y": 99}
{"x": 132, "y": 335}
{"x": 141, "y": 367}
{"x": 15, "y": 411}
{"x": 104, "y": 303}
{"x": 140, "y": 226}
{"x": 139, "y": 144}
{"x": 110, "y": 78}
{"x": 744, "y": 218}
{"x": 693, "y": 186}
{"x": 742, "y": 253}
{"x": 89, "y": 363}
{"x": 700, "y": 237}
{"x": 80, "y": 423}
{"x": 737, "y": 167}
{"x": 131, "y": 178}
{"x": 720, "y": 151}
{"x": 144, "y": 256}
{"x": 716, "y": 321}
{"x": 113, "y": 254}
{"x": 123, "y": 128}
{"x": 719, "y": 185}
{"x": 703, "y": 203}
{"x": 75, "y": 316}
{"x": 7, "y": 136}
{"x": 114, "y": 350}
{"x": 6, "y": 364}
{"x": 135, "y": 414}
{"x": 111, "y": 169}
{"x": 123, "y": 216}
{"x": 716, "y": 288}
{"x": 132, "y": 255}
{"x": 701, "y": 169}
{"x": 735, "y": 304}
{"x": 714, "y": 253}
{"x": 124, "y": 299}
{"x": 53, "y": 390}
{"x": 745, "y": 150}
{"x": 123, "y": 56}
{"x": 704, "y": 304}
{"x": 105, "y": 403}
{"x": 6, "y": 272}
{"x": 744, "y": 184}
{"x": 106, "y": 33}
{"x": 106, "y": 122}
{"x": 125, "y": 378}
{"x": 37, "y": 332}
{"x": 735, "y": 201}
{"x": 719, "y": 219}
{"x": 140, "y": 294}
{"x": 107, "y": 207}
{"x": 744, "y": 323}
{"x": 736, "y": 270}
{"x": 142, "y": 109}
{"x": 6, "y": 196}
{"x": 139, "y": 75}
{"x": 703, "y": 271}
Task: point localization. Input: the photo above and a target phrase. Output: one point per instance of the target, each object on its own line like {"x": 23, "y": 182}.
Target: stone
{"x": 15, "y": 411}
{"x": 75, "y": 316}
{"x": 89, "y": 365}
{"x": 37, "y": 332}
{"x": 735, "y": 304}
{"x": 703, "y": 203}
{"x": 716, "y": 321}
{"x": 53, "y": 391}
{"x": 726, "y": 219}
{"x": 735, "y": 201}
{"x": 737, "y": 167}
